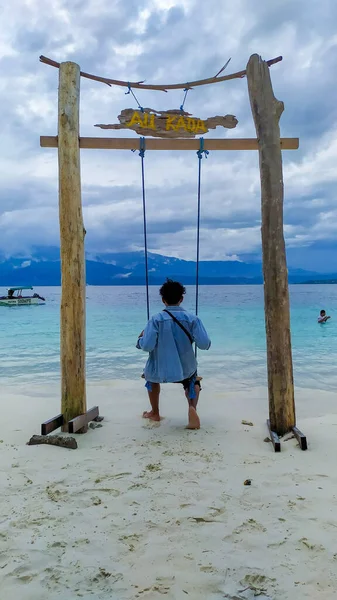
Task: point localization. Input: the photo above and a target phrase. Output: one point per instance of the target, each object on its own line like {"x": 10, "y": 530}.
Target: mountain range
{"x": 41, "y": 267}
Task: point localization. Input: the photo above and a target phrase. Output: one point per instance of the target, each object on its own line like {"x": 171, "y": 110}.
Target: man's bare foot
{"x": 151, "y": 415}
{"x": 193, "y": 419}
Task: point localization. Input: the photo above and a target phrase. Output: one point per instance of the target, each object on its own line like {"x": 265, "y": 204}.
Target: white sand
{"x": 141, "y": 511}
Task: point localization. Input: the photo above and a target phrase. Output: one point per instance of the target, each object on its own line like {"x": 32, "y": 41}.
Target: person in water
{"x": 323, "y": 317}
{"x": 168, "y": 337}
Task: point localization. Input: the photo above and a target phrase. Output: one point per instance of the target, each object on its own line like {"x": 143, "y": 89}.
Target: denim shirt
{"x": 171, "y": 357}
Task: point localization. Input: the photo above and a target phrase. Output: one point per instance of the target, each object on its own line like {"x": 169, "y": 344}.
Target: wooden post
{"x": 266, "y": 112}
{"x": 72, "y": 232}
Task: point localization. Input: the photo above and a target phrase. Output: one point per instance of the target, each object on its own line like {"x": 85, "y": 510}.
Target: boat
{"x": 15, "y": 298}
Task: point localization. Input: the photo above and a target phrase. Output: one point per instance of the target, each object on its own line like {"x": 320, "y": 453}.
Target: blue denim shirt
{"x": 172, "y": 356}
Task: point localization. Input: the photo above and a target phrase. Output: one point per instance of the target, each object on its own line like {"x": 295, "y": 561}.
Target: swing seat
{"x": 198, "y": 378}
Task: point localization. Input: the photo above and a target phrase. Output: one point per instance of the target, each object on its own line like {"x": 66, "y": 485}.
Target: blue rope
{"x": 186, "y": 90}
{"x": 142, "y": 149}
{"x": 200, "y": 152}
{"x": 130, "y": 91}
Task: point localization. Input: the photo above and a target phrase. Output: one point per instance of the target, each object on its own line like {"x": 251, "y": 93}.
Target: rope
{"x": 186, "y": 90}
{"x": 142, "y": 149}
{"x": 130, "y": 91}
{"x": 200, "y": 152}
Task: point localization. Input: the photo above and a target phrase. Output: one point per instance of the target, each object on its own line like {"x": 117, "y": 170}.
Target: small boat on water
{"x": 15, "y": 298}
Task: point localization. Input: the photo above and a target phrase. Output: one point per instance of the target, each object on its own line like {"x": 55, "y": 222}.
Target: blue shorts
{"x": 188, "y": 385}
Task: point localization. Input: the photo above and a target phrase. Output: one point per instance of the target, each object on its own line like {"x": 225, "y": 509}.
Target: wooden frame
{"x": 274, "y": 438}
{"x": 75, "y": 425}
{"x": 266, "y": 111}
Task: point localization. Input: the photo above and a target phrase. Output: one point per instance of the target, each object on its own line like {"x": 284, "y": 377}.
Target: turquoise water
{"x": 233, "y": 316}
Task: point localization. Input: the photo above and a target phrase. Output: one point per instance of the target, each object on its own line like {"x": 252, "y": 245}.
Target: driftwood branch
{"x": 223, "y": 68}
{"x": 168, "y": 124}
{"x": 163, "y": 88}
{"x": 53, "y": 440}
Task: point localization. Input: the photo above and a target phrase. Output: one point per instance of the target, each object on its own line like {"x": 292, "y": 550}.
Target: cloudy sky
{"x": 168, "y": 41}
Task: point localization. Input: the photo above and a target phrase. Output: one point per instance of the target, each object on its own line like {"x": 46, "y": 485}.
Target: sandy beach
{"x": 147, "y": 511}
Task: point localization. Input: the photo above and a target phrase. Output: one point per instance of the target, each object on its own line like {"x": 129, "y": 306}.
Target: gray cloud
{"x": 166, "y": 42}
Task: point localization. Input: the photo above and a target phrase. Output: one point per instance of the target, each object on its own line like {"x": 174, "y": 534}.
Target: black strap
{"x": 180, "y": 324}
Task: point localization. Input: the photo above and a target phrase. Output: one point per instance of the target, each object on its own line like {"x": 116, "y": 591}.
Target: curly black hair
{"x": 172, "y": 291}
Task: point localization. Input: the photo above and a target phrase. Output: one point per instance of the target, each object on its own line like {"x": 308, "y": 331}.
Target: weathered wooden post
{"x": 266, "y": 112}
{"x": 72, "y": 232}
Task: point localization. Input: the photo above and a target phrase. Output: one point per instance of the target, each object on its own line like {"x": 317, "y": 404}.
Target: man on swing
{"x": 168, "y": 337}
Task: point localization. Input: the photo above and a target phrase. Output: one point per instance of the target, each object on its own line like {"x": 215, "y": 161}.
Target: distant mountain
{"x": 320, "y": 281}
{"x": 42, "y": 268}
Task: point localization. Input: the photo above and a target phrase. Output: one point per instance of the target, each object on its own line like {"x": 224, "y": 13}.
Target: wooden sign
{"x": 168, "y": 124}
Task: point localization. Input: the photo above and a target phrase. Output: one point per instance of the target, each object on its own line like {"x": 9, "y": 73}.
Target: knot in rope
{"x": 142, "y": 147}
{"x": 130, "y": 91}
{"x": 202, "y": 149}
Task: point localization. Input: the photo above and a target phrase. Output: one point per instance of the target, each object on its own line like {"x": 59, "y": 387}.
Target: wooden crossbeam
{"x": 168, "y": 144}
{"x": 82, "y": 420}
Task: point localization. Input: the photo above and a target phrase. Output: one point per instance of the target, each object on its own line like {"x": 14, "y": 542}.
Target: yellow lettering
{"x": 148, "y": 123}
{"x": 135, "y": 120}
{"x": 170, "y": 123}
{"x": 181, "y": 124}
{"x": 200, "y": 125}
{"x": 152, "y": 124}
{"x": 191, "y": 124}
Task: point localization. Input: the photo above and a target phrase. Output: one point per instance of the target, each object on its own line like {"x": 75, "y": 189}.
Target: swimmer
{"x": 323, "y": 317}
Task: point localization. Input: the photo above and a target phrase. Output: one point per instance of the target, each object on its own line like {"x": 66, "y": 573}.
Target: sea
{"x": 232, "y": 315}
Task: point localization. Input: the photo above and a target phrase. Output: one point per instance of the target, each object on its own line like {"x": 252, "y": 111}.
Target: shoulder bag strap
{"x": 180, "y": 324}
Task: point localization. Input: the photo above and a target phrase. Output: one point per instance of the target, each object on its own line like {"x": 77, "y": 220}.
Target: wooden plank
{"x": 81, "y": 422}
{"x": 274, "y": 438}
{"x": 301, "y": 438}
{"x": 73, "y": 392}
{"x": 52, "y": 424}
{"x": 161, "y": 144}
{"x": 266, "y": 110}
